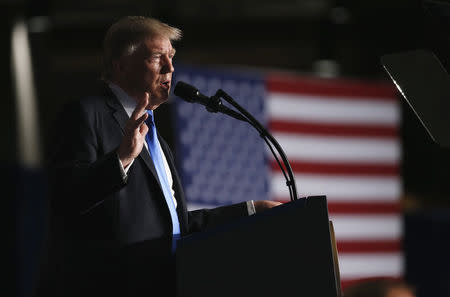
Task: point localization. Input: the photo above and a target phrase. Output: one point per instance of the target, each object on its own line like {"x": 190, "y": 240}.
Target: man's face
{"x": 149, "y": 69}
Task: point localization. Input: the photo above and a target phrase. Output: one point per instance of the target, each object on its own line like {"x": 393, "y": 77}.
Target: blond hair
{"x": 125, "y": 36}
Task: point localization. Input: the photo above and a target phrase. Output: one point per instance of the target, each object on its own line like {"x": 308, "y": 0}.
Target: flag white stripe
{"x": 355, "y": 266}
{"x": 340, "y": 188}
{"x": 326, "y": 109}
{"x": 339, "y": 149}
{"x": 367, "y": 227}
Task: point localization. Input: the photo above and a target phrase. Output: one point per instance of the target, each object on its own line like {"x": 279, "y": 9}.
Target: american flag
{"x": 341, "y": 138}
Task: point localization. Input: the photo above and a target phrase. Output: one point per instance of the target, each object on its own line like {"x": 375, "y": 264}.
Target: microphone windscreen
{"x": 185, "y": 91}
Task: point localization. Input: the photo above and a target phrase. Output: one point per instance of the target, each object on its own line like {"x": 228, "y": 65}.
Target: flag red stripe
{"x": 346, "y": 283}
{"x": 334, "y": 88}
{"x": 364, "y": 208}
{"x": 342, "y": 208}
{"x": 333, "y": 129}
{"x": 341, "y": 169}
{"x": 388, "y": 246}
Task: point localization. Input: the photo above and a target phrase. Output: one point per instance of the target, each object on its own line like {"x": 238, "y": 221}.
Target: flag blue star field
{"x": 340, "y": 137}
{"x": 223, "y": 160}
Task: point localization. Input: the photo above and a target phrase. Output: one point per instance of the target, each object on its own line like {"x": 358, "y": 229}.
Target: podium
{"x": 288, "y": 250}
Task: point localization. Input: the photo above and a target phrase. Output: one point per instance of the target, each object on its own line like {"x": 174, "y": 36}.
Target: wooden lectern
{"x": 285, "y": 251}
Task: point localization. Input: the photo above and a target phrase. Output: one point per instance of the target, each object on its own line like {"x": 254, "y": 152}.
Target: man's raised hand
{"x": 135, "y": 132}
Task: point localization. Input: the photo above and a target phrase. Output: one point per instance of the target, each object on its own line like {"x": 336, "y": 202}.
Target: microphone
{"x": 213, "y": 104}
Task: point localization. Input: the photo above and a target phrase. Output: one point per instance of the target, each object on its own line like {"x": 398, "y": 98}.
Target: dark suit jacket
{"x": 111, "y": 234}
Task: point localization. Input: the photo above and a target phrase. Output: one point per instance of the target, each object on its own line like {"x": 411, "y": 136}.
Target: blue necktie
{"x": 155, "y": 153}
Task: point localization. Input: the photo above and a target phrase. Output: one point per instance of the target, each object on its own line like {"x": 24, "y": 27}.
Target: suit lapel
{"x": 121, "y": 117}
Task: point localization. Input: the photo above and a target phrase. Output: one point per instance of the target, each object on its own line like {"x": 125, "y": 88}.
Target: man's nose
{"x": 168, "y": 66}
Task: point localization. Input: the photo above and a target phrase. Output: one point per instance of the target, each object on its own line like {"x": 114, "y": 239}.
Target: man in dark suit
{"x": 116, "y": 211}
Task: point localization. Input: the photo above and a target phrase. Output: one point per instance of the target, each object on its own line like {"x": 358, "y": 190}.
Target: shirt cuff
{"x": 124, "y": 171}
{"x": 251, "y": 208}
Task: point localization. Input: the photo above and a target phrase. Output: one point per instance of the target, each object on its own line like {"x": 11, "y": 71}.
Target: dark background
{"x": 66, "y": 39}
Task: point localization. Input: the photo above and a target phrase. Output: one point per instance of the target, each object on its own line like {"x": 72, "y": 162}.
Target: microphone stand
{"x": 268, "y": 138}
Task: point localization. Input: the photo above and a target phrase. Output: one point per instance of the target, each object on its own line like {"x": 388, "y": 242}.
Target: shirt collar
{"x": 128, "y": 103}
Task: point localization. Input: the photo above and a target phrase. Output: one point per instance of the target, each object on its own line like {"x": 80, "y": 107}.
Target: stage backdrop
{"x": 340, "y": 136}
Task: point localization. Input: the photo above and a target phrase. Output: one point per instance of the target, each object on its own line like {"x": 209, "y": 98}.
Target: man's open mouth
{"x": 165, "y": 84}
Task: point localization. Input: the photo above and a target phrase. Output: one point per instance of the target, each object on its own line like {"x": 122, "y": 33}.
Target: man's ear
{"x": 118, "y": 67}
